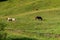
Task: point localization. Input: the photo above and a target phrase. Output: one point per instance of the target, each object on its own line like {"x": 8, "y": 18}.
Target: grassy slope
{"x": 27, "y": 23}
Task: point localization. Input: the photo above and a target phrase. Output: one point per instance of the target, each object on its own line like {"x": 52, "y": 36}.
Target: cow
{"x": 11, "y": 19}
{"x": 39, "y": 18}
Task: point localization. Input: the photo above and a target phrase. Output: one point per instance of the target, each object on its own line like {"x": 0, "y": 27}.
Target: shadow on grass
{"x": 3, "y": 0}
{"x": 23, "y": 38}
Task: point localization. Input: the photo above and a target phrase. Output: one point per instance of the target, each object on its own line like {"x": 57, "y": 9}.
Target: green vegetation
{"x": 25, "y": 25}
{"x": 3, "y": 34}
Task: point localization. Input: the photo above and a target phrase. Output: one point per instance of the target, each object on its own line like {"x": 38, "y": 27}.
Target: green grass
{"x": 26, "y": 23}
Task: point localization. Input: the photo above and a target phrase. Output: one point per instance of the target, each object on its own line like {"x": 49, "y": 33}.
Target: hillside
{"x": 25, "y": 25}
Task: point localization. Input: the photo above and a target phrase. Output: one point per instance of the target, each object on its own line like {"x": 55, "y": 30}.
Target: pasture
{"x": 25, "y": 25}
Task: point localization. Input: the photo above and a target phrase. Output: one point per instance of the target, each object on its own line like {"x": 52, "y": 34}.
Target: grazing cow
{"x": 11, "y": 19}
{"x": 39, "y": 18}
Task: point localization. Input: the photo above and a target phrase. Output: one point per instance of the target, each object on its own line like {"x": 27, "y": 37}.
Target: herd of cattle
{"x": 13, "y": 19}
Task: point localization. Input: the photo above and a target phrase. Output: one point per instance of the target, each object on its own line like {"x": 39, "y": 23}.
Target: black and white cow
{"x": 11, "y": 19}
